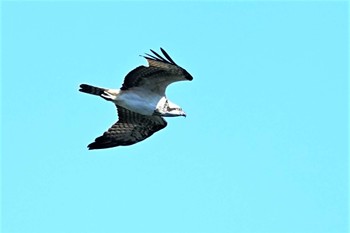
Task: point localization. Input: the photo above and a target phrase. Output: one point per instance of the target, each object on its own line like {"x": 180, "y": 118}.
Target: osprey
{"x": 141, "y": 101}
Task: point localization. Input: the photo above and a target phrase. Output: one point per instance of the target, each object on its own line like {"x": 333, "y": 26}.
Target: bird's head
{"x": 174, "y": 112}
{"x": 169, "y": 109}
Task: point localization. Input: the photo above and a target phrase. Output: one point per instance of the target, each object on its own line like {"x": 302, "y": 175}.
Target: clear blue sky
{"x": 264, "y": 147}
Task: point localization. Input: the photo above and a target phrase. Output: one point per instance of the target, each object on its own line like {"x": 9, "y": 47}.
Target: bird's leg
{"x": 109, "y": 95}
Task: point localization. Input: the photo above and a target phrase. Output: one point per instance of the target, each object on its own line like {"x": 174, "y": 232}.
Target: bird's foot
{"x": 108, "y": 96}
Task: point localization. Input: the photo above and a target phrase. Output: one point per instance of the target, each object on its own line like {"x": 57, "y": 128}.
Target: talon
{"x": 104, "y": 96}
{"x": 108, "y": 96}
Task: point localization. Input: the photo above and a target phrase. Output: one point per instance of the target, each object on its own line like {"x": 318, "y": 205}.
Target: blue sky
{"x": 264, "y": 147}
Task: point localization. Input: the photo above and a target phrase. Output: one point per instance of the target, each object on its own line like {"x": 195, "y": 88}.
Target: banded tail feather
{"x": 107, "y": 94}
{"x": 92, "y": 90}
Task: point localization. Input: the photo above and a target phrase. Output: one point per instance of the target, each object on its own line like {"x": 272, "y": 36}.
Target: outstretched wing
{"x": 130, "y": 129}
{"x": 161, "y": 72}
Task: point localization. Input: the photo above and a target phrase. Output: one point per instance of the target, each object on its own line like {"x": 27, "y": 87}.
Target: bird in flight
{"x": 141, "y": 101}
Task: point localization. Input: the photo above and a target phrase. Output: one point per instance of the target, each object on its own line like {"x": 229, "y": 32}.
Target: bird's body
{"x": 141, "y": 101}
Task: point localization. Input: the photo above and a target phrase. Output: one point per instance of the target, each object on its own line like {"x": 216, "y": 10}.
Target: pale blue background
{"x": 264, "y": 146}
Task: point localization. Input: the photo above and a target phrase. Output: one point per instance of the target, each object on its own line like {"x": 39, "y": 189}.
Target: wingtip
{"x": 92, "y": 146}
{"x": 167, "y": 56}
{"x": 97, "y": 145}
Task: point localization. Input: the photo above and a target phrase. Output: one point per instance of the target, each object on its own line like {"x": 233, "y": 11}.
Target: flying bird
{"x": 141, "y": 101}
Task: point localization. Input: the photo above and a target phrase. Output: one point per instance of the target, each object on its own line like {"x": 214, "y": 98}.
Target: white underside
{"x": 140, "y": 100}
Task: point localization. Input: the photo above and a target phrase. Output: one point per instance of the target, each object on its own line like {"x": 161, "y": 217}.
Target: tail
{"x": 92, "y": 90}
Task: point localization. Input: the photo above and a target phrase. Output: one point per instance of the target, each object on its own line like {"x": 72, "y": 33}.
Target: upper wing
{"x": 161, "y": 72}
{"x": 130, "y": 129}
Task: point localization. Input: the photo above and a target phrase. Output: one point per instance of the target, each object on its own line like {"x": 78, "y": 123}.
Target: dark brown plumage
{"x": 130, "y": 129}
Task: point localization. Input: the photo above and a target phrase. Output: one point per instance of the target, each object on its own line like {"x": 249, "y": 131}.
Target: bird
{"x": 141, "y": 101}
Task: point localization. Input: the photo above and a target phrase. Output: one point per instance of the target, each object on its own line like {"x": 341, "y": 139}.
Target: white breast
{"x": 139, "y": 100}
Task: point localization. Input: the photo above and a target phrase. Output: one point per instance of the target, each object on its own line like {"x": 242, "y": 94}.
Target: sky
{"x": 264, "y": 146}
